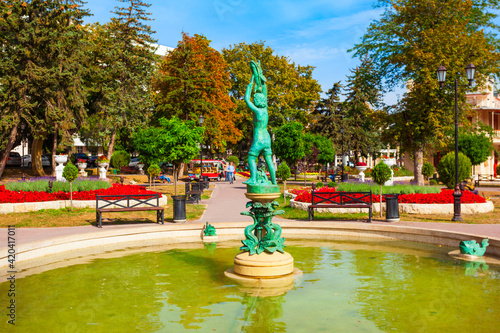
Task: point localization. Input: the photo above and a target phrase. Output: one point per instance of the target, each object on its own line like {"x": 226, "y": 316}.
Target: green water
{"x": 346, "y": 287}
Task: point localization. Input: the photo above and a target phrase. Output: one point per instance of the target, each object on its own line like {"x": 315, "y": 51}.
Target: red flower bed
{"x": 244, "y": 174}
{"x": 444, "y": 197}
{"x": 7, "y": 196}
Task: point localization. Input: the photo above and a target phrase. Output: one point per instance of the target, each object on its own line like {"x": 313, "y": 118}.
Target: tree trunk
{"x": 10, "y": 145}
{"x": 71, "y": 194}
{"x": 54, "y": 150}
{"x": 284, "y": 191}
{"x": 181, "y": 171}
{"x": 380, "y": 199}
{"x": 418, "y": 163}
{"x": 110, "y": 148}
{"x": 296, "y": 170}
{"x": 36, "y": 156}
{"x": 175, "y": 181}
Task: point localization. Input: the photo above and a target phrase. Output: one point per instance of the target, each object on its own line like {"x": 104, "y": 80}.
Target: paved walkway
{"x": 225, "y": 205}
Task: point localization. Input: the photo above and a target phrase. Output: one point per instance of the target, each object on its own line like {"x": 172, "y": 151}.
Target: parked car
{"x": 27, "y": 160}
{"x": 14, "y": 159}
{"x": 133, "y": 162}
{"x": 79, "y": 156}
{"x": 92, "y": 163}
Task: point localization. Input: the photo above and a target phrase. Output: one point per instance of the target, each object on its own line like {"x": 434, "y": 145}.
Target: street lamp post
{"x": 201, "y": 119}
{"x": 23, "y": 126}
{"x": 470, "y": 70}
{"x": 342, "y": 131}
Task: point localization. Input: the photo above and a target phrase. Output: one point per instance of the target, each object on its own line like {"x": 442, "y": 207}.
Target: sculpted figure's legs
{"x": 270, "y": 166}
{"x": 252, "y": 165}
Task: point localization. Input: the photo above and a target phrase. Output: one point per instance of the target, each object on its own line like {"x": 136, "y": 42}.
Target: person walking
{"x": 226, "y": 174}
{"x": 230, "y": 170}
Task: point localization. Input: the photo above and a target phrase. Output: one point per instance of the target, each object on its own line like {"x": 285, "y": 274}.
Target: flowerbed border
{"x": 24, "y": 207}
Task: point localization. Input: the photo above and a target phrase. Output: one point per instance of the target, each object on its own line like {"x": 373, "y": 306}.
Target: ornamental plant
{"x": 361, "y": 164}
{"x": 234, "y": 159}
{"x": 120, "y": 158}
{"x": 498, "y": 170}
{"x": 380, "y": 174}
{"x": 153, "y": 172}
{"x": 427, "y": 170}
{"x": 70, "y": 173}
{"x": 283, "y": 172}
{"x": 446, "y": 169}
{"x": 103, "y": 159}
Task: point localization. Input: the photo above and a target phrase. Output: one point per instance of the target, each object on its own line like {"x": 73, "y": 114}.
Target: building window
{"x": 79, "y": 149}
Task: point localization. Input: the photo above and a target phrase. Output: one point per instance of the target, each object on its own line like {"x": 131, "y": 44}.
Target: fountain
{"x": 263, "y": 261}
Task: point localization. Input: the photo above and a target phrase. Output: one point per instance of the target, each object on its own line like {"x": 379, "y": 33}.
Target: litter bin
{"x": 179, "y": 204}
{"x": 345, "y": 177}
{"x": 391, "y": 208}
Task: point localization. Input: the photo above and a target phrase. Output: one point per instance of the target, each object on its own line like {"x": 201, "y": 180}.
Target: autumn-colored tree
{"x": 409, "y": 42}
{"x": 193, "y": 80}
{"x": 292, "y": 90}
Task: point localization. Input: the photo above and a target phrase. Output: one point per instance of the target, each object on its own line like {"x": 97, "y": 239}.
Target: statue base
{"x": 468, "y": 257}
{"x": 265, "y": 265}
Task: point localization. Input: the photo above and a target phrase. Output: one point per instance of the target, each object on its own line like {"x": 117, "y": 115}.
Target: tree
{"x": 427, "y": 170}
{"x": 476, "y": 146}
{"x": 123, "y": 58}
{"x": 410, "y": 41}
{"x": 120, "y": 158}
{"x": 292, "y": 89}
{"x": 288, "y": 143}
{"x": 283, "y": 172}
{"x": 380, "y": 174}
{"x": 193, "y": 80}
{"x": 70, "y": 173}
{"x": 446, "y": 169}
{"x": 40, "y": 72}
{"x": 153, "y": 172}
{"x": 174, "y": 140}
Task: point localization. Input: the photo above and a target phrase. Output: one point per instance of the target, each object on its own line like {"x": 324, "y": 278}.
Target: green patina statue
{"x": 261, "y": 139}
{"x": 473, "y": 248}
{"x": 263, "y": 234}
{"x": 209, "y": 230}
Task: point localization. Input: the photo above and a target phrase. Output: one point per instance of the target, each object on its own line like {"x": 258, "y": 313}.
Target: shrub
{"x": 428, "y": 170}
{"x": 446, "y": 169}
{"x": 120, "y": 158}
{"x": 433, "y": 182}
{"x": 498, "y": 169}
{"x": 332, "y": 184}
{"x": 154, "y": 170}
{"x": 283, "y": 172}
{"x": 70, "y": 172}
{"x": 319, "y": 184}
{"x": 234, "y": 159}
{"x": 381, "y": 173}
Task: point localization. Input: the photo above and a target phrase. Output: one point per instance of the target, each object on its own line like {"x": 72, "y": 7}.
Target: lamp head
{"x": 470, "y": 70}
{"x": 441, "y": 75}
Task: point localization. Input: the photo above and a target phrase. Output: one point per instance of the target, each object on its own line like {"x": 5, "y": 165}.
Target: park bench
{"x": 483, "y": 178}
{"x": 127, "y": 169}
{"x": 194, "y": 190}
{"x": 128, "y": 203}
{"x": 340, "y": 200}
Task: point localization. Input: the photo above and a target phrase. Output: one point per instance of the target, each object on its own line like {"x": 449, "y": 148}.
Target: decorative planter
{"x": 361, "y": 169}
{"x": 140, "y": 166}
{"x": 102, "y": 170}
{"x": 60, "y": 160}
{"x": 82, "y": 167}
{"x": 390, "y": 162}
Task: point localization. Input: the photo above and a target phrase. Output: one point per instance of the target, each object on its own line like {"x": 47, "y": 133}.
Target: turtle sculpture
{"x": 473, "y": 248}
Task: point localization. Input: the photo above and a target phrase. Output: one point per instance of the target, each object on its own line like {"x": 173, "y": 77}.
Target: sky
{"x": 313, "y": 32}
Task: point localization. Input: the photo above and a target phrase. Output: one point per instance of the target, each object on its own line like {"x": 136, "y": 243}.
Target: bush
{"x": 120, "y": 158}
{"x": 498, "y": 169}
{"x": 446, "y": 169}
{"x": 234, "y": 159}
{"x": 428, "y": 170}
{"x": 332, "y": 184}
{"x": 154, "y": 170}
{"x": 381, "y": 173}
{"x": 70, "y": 172}
{"x": 433, "y": 182}
{"x": 283, "y": 171}
{"x": 319, "y": 184}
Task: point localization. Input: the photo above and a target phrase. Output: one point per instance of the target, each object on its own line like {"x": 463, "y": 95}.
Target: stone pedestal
{"x": 264, "y": 265}
{"x": 102, "y": 170}
{"x": 60, "y": 160}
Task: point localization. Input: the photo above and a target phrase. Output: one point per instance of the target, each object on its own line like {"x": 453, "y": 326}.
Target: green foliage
{"x": 477, "y": 147}
{"x": 319, "y": 184}
{"x": 175, "y": 141}
{"x": 381, "y": 173}
{"x": 433, "y": 182}
{"x": 400, "y": 172}
{"x": 428, "y": 170}
{"x": 120, "y": 158}
{"x": 332, "y": 184}
{"x": 43, "y": 185}
{"x": 289, "y": 143}
{"x": 446, "y": 169}
{"x": 70, "y": 172}
{"x": 283, "y": 171}
{"x": 234, "y": 159}
{"x": 498, "y": 169}
{"x": 397, "y": 189}
{"x": 154, "y": 170}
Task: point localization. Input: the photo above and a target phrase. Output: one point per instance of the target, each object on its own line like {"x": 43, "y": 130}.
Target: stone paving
{"x": 225, "y": 205}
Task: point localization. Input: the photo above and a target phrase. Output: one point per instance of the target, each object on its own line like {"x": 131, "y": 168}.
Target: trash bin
{"x": 179, "y": 204}
{"x": 392, "y": 207}
{"x": 345, "y": 177}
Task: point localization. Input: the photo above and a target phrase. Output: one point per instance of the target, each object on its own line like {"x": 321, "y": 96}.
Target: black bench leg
{"x": 98, "y": 219}
{"x": 311, "y": 214}
{"x": 162, "y": 217}
{"x": 370, "y": 215}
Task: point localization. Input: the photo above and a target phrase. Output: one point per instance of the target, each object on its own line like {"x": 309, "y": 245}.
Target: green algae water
{"x": 383, "y": 286}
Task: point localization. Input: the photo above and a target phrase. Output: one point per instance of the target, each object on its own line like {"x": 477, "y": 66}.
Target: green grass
{"x": 396, "y": 189}
{"x": 42, "y": 185}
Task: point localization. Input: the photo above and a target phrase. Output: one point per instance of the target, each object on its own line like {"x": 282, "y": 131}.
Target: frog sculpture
{"x": 209, "y": 230}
